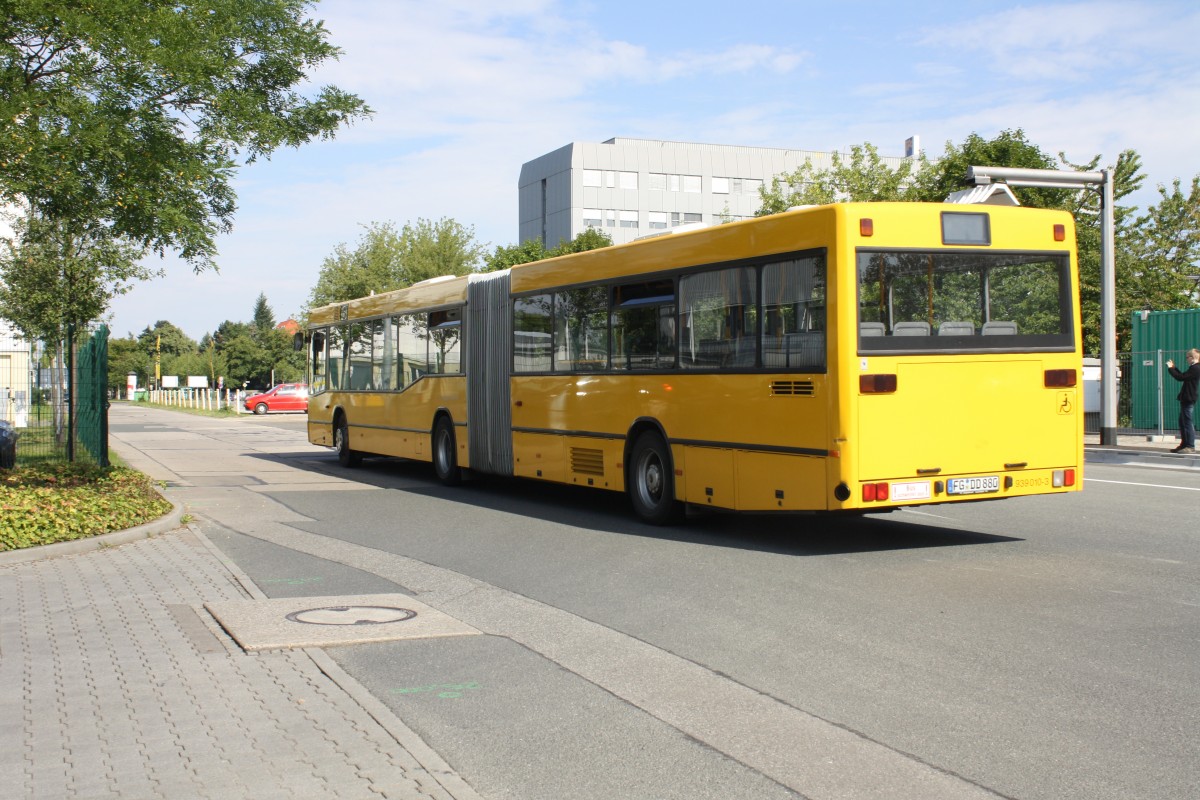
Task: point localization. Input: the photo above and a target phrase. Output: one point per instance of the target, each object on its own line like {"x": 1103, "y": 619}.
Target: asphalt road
{"x": 1036, "y": 648}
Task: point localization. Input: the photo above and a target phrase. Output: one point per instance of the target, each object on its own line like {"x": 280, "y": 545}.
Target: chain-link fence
{"x": 54, "y": 399}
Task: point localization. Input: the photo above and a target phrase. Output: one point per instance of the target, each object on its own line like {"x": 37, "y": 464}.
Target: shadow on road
{"x": 790, "y": 533}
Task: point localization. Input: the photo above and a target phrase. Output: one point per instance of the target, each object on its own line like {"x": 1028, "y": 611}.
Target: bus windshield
{"x": 939, "y": 300}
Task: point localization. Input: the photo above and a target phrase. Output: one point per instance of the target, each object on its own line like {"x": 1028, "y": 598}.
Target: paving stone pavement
{"x": 115, "y": 682}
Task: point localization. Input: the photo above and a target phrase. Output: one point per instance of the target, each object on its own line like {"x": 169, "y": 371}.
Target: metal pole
{"x": 1108, "y": 315}
{"x": 1158, "y": 366}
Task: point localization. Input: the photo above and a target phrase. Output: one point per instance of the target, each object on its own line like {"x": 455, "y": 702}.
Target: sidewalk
{"x": 1139, "y": 448}
{"x": 116, "y": 682}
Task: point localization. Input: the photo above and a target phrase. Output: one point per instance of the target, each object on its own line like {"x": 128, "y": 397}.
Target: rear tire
{"x": 651, "y": 481}
{"x": 445, "y": 453}
{"x": 341, "y": 442}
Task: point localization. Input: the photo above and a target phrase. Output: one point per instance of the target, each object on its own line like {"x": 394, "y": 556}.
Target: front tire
{"x": 651, "y": 483}
{"x": 445, "y": 453}
{"x": 341, "y": 442}
{"x": 260, "y": 409}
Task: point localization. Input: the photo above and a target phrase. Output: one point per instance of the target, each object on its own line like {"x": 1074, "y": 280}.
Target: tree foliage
{"x": 386, "y": 259}
{"x": 134, "y": 113}
{"x": 533, "y": 250}
{"x": 54, "y": 274}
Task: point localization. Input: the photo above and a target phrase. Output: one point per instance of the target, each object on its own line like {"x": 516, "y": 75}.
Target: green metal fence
{"x": 55, "y": 395}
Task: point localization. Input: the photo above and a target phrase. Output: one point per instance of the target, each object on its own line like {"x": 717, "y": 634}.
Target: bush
{"x": 51, "y": 503}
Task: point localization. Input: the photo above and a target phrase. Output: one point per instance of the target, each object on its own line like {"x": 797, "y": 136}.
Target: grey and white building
{"x": 633, "y": 187}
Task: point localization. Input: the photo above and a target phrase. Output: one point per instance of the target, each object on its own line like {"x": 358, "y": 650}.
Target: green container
{"x": 1174, "y": 333}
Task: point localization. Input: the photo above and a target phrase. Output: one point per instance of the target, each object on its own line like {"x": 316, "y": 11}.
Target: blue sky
{"x": 465, "y": 91}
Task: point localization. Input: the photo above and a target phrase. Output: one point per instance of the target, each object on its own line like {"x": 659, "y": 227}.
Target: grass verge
{"x": 48, "y": 503}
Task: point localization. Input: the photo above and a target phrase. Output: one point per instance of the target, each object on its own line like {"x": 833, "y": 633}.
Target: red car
{"x": 284, "y": 397}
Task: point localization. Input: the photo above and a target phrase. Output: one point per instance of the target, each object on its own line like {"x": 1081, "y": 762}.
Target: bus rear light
{"x": 873, "y": 492}
{"x": 876, "y": 384}
{"x": 1060, "y": 233}
{"x": 866, "y": 227}
{"x": 1063, "y": 478}
{"x": 1060, "y": 378}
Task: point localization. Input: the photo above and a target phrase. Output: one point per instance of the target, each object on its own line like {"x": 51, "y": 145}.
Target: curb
{"x": 165, "y": 523}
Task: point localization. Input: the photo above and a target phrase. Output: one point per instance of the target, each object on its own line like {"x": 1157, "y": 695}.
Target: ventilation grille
{"x": 587, "y": 462}
{"x": 792, "y": 388}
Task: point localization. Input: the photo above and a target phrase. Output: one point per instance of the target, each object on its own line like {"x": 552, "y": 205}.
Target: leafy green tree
{"x": 937, "y": 180}
{"x": 134, "y": 113}
{"x": 54, "y": 274}
{"x": 386, "y": 259}
{"x": 127, "y": 357}
{"x": 533, "y": 250}
{"x": 864, "y": 177}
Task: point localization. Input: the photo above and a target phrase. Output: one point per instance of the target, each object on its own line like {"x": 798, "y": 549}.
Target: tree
{"x": 865, "y": 177}
{"x": 264, "y": 318}
{"x": 387, "y": 259}
{"x": 127, "y": 357}
{"x": 937, "y": 180}
{"x": 132, "y": 114}
{"x": 54, "y": 274}
{"x": 533, "y": 249}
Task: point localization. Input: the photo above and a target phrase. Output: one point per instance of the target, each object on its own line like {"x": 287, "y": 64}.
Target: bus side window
{"x": 316, "y": 380}
{"x": 794, "y": 314}
{"x": 643, "y": 325}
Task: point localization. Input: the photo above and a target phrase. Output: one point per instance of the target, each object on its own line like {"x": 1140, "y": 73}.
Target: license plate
{"x": 984, "y": 485}
{"x": 916, "y": 490}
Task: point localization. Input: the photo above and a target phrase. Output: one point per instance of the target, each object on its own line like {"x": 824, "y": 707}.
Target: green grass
{"x": 44, "y": 503}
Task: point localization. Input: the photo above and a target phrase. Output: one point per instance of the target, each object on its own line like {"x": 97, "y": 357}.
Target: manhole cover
{"x": 352, "y": 615}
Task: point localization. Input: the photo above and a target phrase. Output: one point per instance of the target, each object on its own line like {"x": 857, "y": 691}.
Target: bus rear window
{"x": 954, "y": 301}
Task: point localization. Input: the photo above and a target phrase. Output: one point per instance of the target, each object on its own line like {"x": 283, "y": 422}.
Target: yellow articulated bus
{"x": 851, "y": 357}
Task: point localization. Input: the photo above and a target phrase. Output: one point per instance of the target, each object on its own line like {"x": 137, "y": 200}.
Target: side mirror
{"x": 298, "y": 342}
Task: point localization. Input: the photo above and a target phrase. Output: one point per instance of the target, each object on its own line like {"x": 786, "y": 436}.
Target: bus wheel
{"x": 445, "y": 456}
{"x": 341, "y": 443}
{"x": 651, "y": 482}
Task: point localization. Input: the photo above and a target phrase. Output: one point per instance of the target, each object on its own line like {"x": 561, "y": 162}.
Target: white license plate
{"x": 984, "y": 485}
{"x": 916, "y": 490}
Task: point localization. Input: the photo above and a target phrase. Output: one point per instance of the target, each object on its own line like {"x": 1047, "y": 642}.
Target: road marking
{"x": 1151, "y": 485}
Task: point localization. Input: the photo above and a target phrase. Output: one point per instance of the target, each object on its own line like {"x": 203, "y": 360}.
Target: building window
{"x": 664, "y": 182}
{"x": 684, "y": 218}
{"x": 736, "y": 185}
{"x": 629, "y": 219}
{"x": 591, "y": 177}
{"x": 627, "y": 180}
{"x": 658, "y": 219}
{"x": 591, "y": 218}
{"x": 610, "y": 218}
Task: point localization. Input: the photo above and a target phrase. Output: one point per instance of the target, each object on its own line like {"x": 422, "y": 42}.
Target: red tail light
{"x": 872, "y": 492}
{"x": 1060, "y": 378}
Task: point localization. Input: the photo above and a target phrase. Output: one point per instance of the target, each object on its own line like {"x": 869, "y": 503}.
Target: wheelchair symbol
{"x": 1065, "y": 406}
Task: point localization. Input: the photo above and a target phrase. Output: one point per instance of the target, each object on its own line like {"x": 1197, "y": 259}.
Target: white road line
{"x": 1151, "y": 485}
